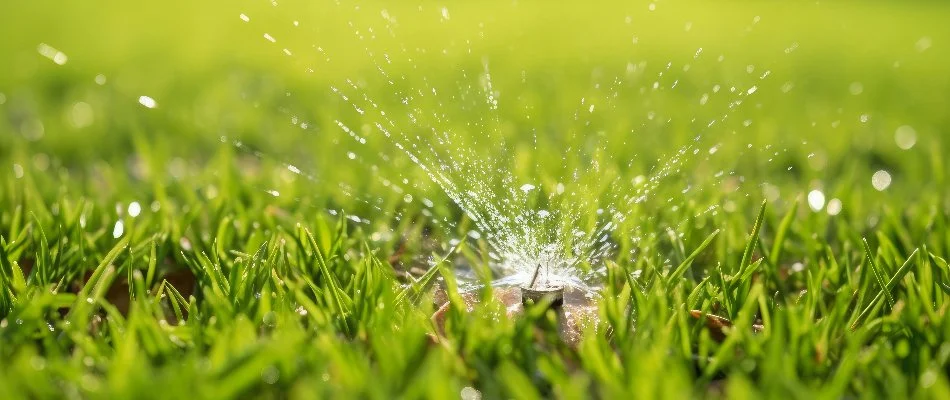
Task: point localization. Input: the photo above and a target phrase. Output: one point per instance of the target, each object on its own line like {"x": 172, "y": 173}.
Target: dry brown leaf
{"x": 717, "y": 325}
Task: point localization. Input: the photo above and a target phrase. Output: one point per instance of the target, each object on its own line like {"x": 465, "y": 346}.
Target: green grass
{"x": 218, "y": 289}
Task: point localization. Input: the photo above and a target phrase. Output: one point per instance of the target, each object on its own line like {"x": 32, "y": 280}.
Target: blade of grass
{"x": 886, "y": 288}
{"x": 424, "y": 280}
{"x": 336, "y": 291}
{"x": 878, "y": 274}
{"x": 681, "y": 269}
{"x": 782, "y": 232}
{"x": 750, "y": 246}
{"x": 945, "y": 286}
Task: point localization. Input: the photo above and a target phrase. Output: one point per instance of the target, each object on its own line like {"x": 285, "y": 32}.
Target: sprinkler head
{"x": 534, "y": 294}
{"x": 554, "y": 295}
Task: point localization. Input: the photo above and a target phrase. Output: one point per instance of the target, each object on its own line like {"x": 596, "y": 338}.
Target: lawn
{"x": 292, "y": 199}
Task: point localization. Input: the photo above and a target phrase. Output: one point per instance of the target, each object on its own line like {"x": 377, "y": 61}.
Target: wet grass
{"x": 216, "y": 288}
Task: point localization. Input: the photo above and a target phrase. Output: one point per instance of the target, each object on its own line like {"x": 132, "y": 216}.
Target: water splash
{"x": 457, "y": 137}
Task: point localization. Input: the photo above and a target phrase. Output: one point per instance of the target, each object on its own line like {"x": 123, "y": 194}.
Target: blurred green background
{"x": 833, "y": 84}
{"x": 212, "y": 73}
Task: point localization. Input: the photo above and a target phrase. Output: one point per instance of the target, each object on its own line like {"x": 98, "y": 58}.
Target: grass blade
{"x": 424, "y": 280}
{"x": 878, "y": 274}
{"x": 885, "y": 289}
{"x": 782, "y": 232}
{"x": 681, "y": 269}
{"x": 750, "y": 246}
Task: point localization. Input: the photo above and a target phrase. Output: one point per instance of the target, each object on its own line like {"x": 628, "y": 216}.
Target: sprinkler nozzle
{"x": 554, "y": 295}
{"x": 534, "y": 278}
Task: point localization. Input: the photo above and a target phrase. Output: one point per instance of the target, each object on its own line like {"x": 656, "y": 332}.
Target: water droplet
{"x": 527, "y": 187}
{"x": 816, "y": 200}
{"x": 245, "y": 18}
{"x": 881, "y": 180}
{"x": 58, "y": 57}
{"x": 834, "y": 207}
{"x": 148, "y": 102}
{"x": 906, "y": 137}
{"x": 270, "y": 319}
{"x": 470, "y": 393}
{"x": 798, "y": 267}
{"x": 118, "y": 229}
{"x": 81, "y": 115}
{"x": 135, "y": 209}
